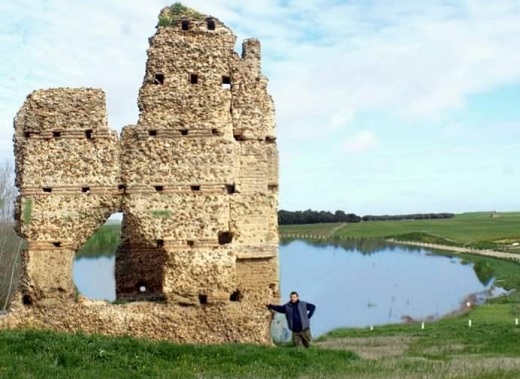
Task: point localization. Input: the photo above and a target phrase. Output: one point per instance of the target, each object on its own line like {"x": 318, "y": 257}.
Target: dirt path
{"x": 331, "y": 233}
{"x": 457, "y": 249}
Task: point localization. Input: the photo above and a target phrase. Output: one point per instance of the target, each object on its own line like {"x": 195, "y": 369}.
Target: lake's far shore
{"x": 459, "y": 249}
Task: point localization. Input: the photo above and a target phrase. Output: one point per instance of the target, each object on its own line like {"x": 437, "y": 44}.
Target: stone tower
{"x": 196, "y": 179}
{"x": 200, "y": 170}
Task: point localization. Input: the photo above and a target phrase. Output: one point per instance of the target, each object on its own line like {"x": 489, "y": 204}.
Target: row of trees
{"x": 413, "y": 216}
{"x": 314, "y": 217}
{"x": 10, "y": 243}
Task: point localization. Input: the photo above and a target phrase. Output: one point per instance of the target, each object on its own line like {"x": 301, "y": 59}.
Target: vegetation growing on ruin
{"x": 161, "y": 213}
{"x": 27, "y": 211}
{"x": 177, "y": 12}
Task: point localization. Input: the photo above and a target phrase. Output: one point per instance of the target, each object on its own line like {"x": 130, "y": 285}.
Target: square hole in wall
{"x": 27, "y": 134}
{"x": 47, "y": 189}
{"x": 88, "y": 133}
{"x": 184, "y": 132}
{"x": 160, "y": 243}
{"x": 235, "y": 296}
{"x": 159, "y": 188}
{"x": 85, "y": 189}
{"x": 203, "y": 298}
{"x": 190, "y": 243}
{"x": 195, "y": 188}
{"x": 211, "y": 25}
{"x": 158, "y": 78}
{"x": 270, "y": 139}
{"x": 57, "y": 244}
{"x": 225, "y": 238}
{"x": 26, "y": 300}
{"x": 226, "y": 82}
{"x": 121, "y": 187}
{"x": 194, "y": 78}
{"x": 56, "y": 134}
{"x": 152, "y": 133}
{"x": 272, "y": 187}
{"x": 185, "y": 25}
{"x": 230, "y": 188}
{"x": 215, "y": 132}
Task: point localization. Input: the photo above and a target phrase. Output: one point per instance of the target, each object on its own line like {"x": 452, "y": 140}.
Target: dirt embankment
{"x": 459, "y": 249}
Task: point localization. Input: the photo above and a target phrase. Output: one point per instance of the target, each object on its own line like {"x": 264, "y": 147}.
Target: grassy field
{"x": 314, "y": 229}
{"x": 38, "y": 354}
{"x": 463, "y": 229}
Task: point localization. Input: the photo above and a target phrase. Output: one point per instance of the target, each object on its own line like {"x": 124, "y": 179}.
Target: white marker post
{"x": 371, "y": 328}
{"x": 469, "y": 323}
{"x": 422, "y": 325}
{"x": 516, "y": 321}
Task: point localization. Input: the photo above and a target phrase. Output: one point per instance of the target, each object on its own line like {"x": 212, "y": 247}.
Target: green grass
{"x": 40, "y": 354}
{"x": 478, "y": 230}
{"x": 176, "y": 12}
{"x": 103, "y": 243}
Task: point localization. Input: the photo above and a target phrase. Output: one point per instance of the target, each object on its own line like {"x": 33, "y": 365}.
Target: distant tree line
{"x": 413, "y": 216}
{"x": 314, "y": 217}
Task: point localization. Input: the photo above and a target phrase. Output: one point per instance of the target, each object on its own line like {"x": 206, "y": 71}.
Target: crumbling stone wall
{"x": 67, "y": 172}
{"x": 196, "y": 179}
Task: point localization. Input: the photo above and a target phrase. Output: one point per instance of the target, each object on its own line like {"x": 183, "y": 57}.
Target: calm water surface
{"x": 352, "y": 285}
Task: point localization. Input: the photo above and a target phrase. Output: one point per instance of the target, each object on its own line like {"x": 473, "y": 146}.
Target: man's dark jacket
{"x": 297, "y": 314}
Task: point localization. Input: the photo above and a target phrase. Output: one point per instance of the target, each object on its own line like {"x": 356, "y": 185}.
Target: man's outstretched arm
{"x": 310, "y": 308}
{"x": 276, "y": 308}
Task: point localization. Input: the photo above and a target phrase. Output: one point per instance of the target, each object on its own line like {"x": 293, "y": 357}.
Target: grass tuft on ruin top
{"x": 171, "y": 15}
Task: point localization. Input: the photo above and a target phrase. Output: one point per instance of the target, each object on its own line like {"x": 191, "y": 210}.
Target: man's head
{"x": 294, "y": 297}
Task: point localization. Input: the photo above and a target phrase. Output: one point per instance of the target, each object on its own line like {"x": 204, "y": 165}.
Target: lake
{"x": 353, "y": 284}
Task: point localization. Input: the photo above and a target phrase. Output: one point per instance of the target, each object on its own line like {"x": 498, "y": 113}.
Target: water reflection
{"x": 94, "y": 276}
{"x": 373, "y": 286}
{"x": 354, "y": 283}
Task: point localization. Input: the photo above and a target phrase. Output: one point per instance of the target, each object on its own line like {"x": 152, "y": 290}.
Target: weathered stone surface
{"x": 196, "y": 179}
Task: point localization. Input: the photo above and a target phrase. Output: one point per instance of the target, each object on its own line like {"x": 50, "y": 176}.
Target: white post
{"x": 371, "y": 327}
{"x": 516, "y": 321}
{"x": 469, "y": 323}
{"x": 422, "y": 325}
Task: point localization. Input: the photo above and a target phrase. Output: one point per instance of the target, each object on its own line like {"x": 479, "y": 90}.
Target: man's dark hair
{"x": 294, "y": 293}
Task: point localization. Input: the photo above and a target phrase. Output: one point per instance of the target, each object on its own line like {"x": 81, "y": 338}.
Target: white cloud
{"x": 341, "y": 118}
{"x": 360, "y": 143}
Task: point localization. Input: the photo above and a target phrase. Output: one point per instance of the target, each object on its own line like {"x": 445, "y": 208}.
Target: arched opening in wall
{"x": 93, "y": 268}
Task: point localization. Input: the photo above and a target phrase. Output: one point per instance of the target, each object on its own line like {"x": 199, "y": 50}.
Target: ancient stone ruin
{"x": 196, "y": 179}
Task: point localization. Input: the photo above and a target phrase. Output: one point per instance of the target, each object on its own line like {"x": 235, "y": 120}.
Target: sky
{"x": 382, "y": 106}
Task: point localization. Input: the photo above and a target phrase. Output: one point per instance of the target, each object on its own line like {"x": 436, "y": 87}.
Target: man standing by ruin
{"x": 298, "y": 314}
